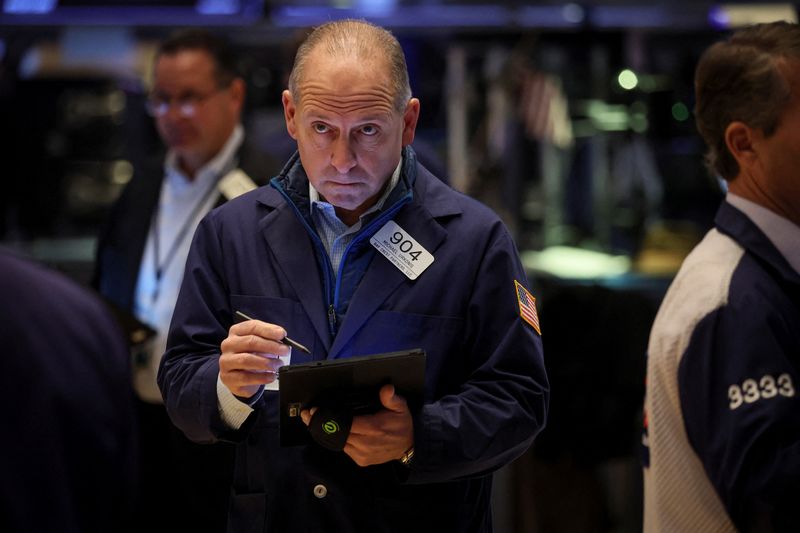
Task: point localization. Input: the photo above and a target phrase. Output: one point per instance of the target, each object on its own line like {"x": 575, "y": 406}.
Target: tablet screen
{"x": 353, "y": 382}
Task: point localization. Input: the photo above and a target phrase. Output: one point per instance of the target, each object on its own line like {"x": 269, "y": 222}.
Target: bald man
{"x": 297, "y": 256}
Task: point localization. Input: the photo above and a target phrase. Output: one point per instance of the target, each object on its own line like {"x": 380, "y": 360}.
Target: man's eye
{"x": 189, "y": 99}
{"x": 320, "y": 128}
{"x": 369, "y": 130}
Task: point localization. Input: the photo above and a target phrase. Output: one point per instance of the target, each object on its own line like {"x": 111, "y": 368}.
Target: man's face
{"x": 779, "y": 154}
{"x": 348, "y": 132}
{"x": 196, "y": 132}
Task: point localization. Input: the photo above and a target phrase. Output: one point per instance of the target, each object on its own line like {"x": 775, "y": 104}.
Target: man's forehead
{"x": 348, "y": 86}
{"x": 323, "y": 66}
{"x": 346, "y": 100}
{"x": 184, "y": 67}
{"x": 185, "y": 60}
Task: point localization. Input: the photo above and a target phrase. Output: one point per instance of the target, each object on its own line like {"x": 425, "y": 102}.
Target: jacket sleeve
{"x": 188, "y": 373}
{"x": 502, "y": 405}
{"x": 738, "y": 390}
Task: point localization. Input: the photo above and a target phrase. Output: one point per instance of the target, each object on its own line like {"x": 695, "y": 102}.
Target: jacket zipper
{"x": 320, "y": 251}
{"x": 364, "y": 232}
{"x": 332, "y": 318}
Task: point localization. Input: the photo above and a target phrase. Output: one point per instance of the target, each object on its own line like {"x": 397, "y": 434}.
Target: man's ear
{"x": 742, "y": 142}
{"x": 410, "y": 117}
{"x": 289, "y": 112}
{"x": 237, "y": 91}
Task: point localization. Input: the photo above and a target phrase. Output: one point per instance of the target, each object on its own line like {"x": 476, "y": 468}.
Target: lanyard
{"x": 161, "y": 266}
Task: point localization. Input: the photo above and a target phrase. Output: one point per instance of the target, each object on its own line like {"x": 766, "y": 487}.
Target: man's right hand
{"x": 250, "y": 356}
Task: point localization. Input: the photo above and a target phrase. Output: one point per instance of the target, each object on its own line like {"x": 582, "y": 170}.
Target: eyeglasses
{"x": 187, "y": 105}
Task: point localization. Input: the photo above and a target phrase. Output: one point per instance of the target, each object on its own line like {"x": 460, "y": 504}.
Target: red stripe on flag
{"x": 527, "y": 307}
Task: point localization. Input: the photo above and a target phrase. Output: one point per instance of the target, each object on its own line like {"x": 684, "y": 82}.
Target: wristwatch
{"x": 408, "y": 455}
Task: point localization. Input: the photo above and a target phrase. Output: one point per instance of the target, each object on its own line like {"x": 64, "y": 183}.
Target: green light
{"x": 680, "y": 112}
{"x": 627, "y": 79}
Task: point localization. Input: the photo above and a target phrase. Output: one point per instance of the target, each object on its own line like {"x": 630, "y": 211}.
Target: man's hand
{"x": 250, "y": 356}
{"x": 381, "y": 437}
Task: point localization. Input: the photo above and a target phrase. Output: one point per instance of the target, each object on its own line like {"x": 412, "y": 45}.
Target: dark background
{"x": 629, "y": 189}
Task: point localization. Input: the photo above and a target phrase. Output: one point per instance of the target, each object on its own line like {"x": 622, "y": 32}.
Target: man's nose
{"x": 174, "y": 112}
{"x": 343, "y": 158}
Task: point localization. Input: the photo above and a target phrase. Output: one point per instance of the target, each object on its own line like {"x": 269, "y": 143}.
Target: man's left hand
{"x": 383, "y": 436}
{"x": 380, "y": 437}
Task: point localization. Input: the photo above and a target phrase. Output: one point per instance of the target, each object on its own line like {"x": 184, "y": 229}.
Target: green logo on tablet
{"x": 330, "y": 427}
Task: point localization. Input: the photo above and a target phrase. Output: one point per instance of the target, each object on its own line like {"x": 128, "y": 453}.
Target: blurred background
{"x": 572, "y": 120}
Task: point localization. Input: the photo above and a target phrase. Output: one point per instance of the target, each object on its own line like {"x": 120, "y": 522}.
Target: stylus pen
{"x": 286, "y": 340}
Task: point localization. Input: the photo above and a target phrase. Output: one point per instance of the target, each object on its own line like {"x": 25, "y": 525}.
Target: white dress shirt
{"x": 181, "y": 205}
{"x": 782, "y": 232}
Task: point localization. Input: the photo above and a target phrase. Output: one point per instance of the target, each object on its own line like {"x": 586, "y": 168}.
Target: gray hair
{"x": 359, "y": 39}
{"x": 741, "y": 80}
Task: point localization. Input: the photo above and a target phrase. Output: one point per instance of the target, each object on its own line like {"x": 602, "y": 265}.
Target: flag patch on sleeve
{"x": 527, "y": 307}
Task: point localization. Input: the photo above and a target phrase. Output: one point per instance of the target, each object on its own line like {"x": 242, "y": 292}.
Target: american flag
{"x": 527, "y": 307}
{"x": 544, "y": 110}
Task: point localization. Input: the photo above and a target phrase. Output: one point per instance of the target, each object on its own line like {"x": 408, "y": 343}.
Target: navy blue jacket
{"x": 68, "y": 452}
{"x": 486, "y": 390}
{"x": 723, "y": 405}
{"x": 745, "y": 356}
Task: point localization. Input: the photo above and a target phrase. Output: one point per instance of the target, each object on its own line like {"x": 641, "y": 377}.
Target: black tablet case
{"x": 353, "y": 382}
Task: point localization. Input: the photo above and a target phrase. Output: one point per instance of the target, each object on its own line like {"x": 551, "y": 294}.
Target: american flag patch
{"x": 527, "y": 307}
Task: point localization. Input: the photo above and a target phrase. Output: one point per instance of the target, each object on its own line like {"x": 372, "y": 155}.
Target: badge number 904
{"x": 405, "y": 245}
{"x": 401, "y": 249}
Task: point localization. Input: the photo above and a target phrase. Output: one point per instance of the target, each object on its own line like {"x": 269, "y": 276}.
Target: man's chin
{"x": 180, "y": 146}
{"x": 341, "y": 202}
{"x": 185, "y": 152}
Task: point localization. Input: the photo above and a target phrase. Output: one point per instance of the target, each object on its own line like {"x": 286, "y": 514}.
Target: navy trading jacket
{"x": 68, "y": 455}
{"x": 723, "y": 404}
{"x": 486, "y": 392}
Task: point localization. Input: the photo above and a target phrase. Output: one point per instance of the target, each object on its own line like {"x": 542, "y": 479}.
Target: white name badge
{"x": 402, "y": 250}
{"x": 235, "y": 183}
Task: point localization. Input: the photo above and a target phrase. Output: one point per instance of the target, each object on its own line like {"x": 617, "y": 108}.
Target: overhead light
{"x": 738, "y": 15}
{"x": 28, "y": 6}
{"x": 627, "y": 79}
{"x": 217, "y": 7}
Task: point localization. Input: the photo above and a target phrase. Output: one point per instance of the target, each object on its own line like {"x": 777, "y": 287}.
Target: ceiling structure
{"x": 465, "y": 14}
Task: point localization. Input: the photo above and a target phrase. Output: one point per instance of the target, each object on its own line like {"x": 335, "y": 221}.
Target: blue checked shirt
{"x": 335, "y": 234}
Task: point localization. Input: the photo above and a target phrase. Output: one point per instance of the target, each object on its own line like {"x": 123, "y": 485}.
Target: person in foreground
{"x": 68, "y": 456}
{"x": 722, "y": 407}
{"x": 296, "y": 256}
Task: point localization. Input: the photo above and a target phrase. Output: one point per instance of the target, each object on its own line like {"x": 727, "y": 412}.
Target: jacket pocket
{"x": 247, "y": 513}
{"x": 399, "y": 331}
{"x": 440, "y": 336}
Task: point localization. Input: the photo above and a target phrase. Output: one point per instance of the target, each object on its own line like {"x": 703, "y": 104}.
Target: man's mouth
{"x": 345, "y": 180}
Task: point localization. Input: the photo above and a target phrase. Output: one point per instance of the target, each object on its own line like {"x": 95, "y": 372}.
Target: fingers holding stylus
{"x": 250, "y": 356}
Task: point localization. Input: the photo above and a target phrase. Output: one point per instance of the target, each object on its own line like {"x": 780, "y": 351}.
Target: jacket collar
{"x": 733, "y": 222}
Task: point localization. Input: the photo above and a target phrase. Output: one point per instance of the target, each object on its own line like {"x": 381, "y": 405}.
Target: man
{"x": 296, "y": 256}
{"x": 69, "y": 448}
{"x": 723, "y": 414}
{"x": 196, "y": 100}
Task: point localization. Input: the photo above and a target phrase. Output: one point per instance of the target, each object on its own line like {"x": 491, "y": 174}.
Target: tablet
{"x": 352, "y": 381}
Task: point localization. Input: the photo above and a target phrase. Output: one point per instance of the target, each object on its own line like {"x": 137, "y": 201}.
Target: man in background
{"x": 196, "y": 100}
{"x": 68, "y": 452}
{"x": 722, "y": 406}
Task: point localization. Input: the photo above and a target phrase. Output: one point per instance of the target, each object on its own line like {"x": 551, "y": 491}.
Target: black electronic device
{"x": 352, "y": 382}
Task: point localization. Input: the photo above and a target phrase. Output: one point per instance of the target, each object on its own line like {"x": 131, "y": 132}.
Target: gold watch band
{"x": 407, "y": 456}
